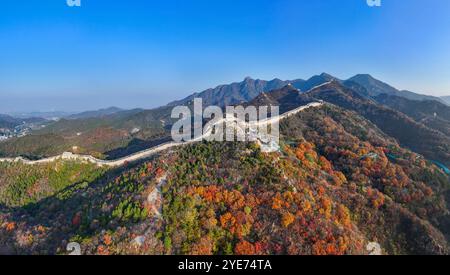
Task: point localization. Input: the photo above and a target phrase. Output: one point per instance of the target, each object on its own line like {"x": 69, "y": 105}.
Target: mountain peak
{"x": 326, "y": 75}
{"x": 321, "y": 78}
{"x": 290, "y": 87}
{"x": 276, "y": 80}
{"x": 363, "y": 76}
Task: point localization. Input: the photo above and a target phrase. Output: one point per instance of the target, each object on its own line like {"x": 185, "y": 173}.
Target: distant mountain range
{"x": 248, "y": 89}
{"x": 53, "y": 115}
{"x": 239, "y": 92}
{"x": 97, "y": 113}
{"x": 11, "y": 121}
{"x": 233, "y": 93}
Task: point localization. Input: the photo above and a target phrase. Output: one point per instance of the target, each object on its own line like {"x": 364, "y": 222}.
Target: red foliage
{"x": 76, "y": 220}
{"x": 159, "y": 172}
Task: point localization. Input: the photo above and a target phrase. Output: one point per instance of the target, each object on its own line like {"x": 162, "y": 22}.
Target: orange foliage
{"x": 102, "y": 250}
{"x": 326, "y": 207}
{"x": 344, "y": 215}
{"x": 227, "y": 220}
{"x": 331, "y": 246}
{"x": 341, "y": 177}
{"x": 244, "y": 248}
{"x": 305, "y": 152}
{"x": 325, "y": 164}
{"x": 277, "y": 203}
{"x": 10, "y": 226}
{"x": 107, "y": 239}
{"x": 376, "y": 197}
{"x": 306, "y": 205}
{"x": 321, "y": 191}
{"x": 287, "y": 219}
{"x": 41, "y": 229}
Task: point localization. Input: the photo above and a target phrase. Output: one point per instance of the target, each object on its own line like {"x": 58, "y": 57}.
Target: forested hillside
{"x": 416, "y": 134}
{"x": 337, "y": 184}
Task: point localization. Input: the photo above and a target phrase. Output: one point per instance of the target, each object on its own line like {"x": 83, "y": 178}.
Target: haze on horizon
{"x": 148, "y": 53}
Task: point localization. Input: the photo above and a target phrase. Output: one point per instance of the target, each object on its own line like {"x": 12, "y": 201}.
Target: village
{"x": 18, "y": 131}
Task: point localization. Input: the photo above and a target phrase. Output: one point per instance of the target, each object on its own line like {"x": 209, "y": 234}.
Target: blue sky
{"x": 145, "y": 53}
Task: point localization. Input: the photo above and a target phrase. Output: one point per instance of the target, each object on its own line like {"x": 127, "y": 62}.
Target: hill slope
{"x": 433, "y": 114}
{"x": 431, "y": 143}
{"x": 110, "y": 136}
{"x": 376, "y": 87}
{"x": 446, "y": 99}
{"x": 9, "y": 122}
{"x": 332, "y": 189}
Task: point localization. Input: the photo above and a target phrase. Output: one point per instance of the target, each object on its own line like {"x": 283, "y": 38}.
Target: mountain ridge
{"x": 376, "y": 87}
{"x": 249, "y": 88}
{"x": 96, "y": 113}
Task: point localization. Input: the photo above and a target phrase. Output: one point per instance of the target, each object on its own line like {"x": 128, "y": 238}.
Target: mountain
{"x": 97, "y": 113}
{"x": 233, "y": 93}
{"x": 431, "y": 143}
{"x": 312, "y": 82}
{"x": 249, "y": 89}
{"x": 376, "y": 87}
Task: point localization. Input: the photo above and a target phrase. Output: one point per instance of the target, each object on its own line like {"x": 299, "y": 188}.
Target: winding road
{"x": 157, "y": 149}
